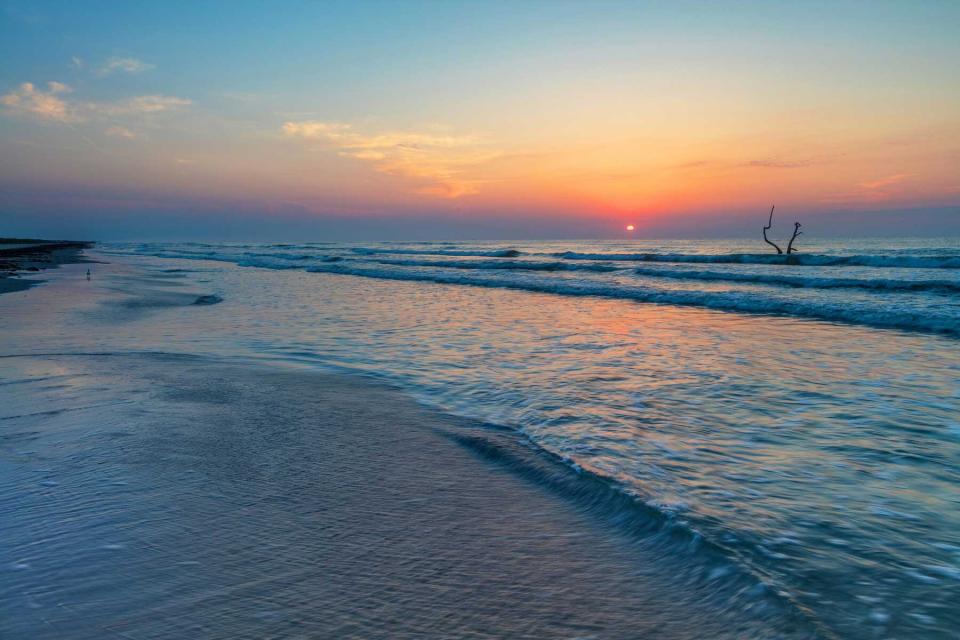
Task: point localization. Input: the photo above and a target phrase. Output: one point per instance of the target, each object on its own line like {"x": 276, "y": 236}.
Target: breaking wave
{"x": 517, "y": 265}
{"x": 496, "y": 253}
{"x": 944, "y": 286}
{"x": 902, "y": 289}
{"x": 891, "y": 316}
{"x": 811, "y": 260}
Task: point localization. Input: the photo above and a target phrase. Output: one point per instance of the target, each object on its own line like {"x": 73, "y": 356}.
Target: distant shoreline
{"x": 19, "y": 255}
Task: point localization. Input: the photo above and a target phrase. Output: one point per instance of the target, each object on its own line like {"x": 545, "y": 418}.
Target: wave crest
{"x": 943, "y": 286}
{"x": 495, "y": 253}
{"x": 811, "y": 260}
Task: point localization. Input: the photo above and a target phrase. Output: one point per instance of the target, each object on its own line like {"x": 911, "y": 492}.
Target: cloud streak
{"x": 438, "y": 162}
{"x": 141, "y": 105}
{"x": 773, "y": 163}
{"x": 882, "y": 183}
{"x": 120, "y": 132}
{"x": 53, "y": 105}
{"x": 122, "y": 65}
{"x": 29, "y": 100}
{"x": 875, "y": 191}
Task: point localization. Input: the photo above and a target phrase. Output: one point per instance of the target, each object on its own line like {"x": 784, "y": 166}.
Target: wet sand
{"x": 172, "y": 497}
{"x": 19, "y": 257}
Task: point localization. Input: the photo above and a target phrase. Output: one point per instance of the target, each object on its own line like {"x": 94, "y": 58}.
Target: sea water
{"x": 801, "y": 414}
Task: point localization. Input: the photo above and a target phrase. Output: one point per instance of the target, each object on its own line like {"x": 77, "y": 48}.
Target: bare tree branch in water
{"x": 796, "y": 232}
{"x": 767, "y": 228}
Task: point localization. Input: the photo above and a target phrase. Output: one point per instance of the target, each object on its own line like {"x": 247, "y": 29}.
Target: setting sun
{"x": 630, "y": 227}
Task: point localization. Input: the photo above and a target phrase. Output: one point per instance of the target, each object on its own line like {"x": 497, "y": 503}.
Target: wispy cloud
{"x": 439, "y": 160}
{"x": 774, "y": 163}
{"x": 122, "y": 65}
{"x": 44, "y": 105}
{"x": 875, "y": 191}
{"x": 141, "y": 105}
{"x": 53, "y": 104}
{"x": 882, "y": 183}
{"x": 120, "y": 132}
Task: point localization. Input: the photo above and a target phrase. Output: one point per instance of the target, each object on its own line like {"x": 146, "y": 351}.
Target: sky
{"x": 499, "y": 120}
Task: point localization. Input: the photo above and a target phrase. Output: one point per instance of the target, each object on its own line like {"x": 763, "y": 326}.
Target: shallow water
{"x": 819, "y": 456}
{"x": 163, "y": 496}
{"x": 911, "y": 284}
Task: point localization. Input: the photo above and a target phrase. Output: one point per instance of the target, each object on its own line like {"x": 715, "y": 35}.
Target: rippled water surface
{"x": 838, "y": 281}
{"x": 802, "y": 414}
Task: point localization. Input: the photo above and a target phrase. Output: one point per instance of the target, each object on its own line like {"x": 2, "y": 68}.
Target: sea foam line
{"x": 495, "y": 253}
{"x": 881, "y": 284}
{"x": 801, "y": 259}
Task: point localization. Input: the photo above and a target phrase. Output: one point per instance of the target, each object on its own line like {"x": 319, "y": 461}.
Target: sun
{"x": 630, "y": 227}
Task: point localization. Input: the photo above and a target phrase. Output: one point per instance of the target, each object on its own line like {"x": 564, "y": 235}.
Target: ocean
{"x": 788, "y": 425}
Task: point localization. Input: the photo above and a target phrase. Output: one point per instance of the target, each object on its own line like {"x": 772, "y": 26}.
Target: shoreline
{"x": 158, "y": 495}
{"x": 292, "y": 501}
{"x": 731, "y": 496}
{"x": 21, "y": 256}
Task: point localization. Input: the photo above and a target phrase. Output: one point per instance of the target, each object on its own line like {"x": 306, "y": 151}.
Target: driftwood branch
{"x": 767, "y": 228}
{"x": 796, "y": 232}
